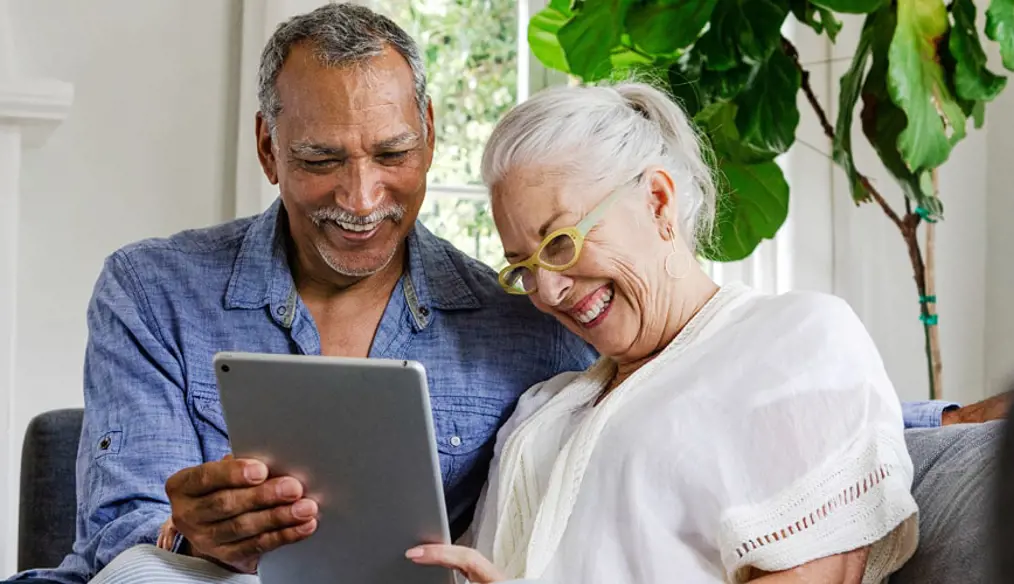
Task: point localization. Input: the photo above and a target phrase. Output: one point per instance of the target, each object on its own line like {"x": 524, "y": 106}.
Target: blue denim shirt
{"x": 925, "y": 414}
{"x": 162, "y": 308}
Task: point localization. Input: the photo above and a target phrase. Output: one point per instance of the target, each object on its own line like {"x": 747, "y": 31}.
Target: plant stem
{"x": 923, "y": 273}
{"x": 825, "y": 123}
{"x": 930, "y": 308}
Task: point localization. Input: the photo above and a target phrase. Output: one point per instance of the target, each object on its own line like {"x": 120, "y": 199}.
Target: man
{"x": 336, "y": 267}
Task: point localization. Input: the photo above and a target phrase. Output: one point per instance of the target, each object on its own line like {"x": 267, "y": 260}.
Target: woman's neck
{"x": 692, "y": 293}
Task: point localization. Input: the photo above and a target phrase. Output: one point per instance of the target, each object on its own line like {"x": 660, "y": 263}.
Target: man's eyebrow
{"x": 396, "y": 142}
{"x": 311, "y": 149}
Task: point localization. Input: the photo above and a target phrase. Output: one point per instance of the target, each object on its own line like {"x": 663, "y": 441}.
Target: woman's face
{"x": 617, "y": 296}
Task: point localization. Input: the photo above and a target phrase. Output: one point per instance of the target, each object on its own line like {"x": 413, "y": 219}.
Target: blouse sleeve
{"x": 819, "y": 464}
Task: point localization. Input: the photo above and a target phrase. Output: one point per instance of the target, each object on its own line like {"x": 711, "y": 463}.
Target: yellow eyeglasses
{"x": 559, "y": 251}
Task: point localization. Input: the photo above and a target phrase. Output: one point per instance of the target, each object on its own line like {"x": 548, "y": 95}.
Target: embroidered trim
{"x": 843, "y": 498}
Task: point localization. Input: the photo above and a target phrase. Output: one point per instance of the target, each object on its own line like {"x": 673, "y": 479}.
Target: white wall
{"x": 147, "y": 150}
{"x": 999, "y": 307}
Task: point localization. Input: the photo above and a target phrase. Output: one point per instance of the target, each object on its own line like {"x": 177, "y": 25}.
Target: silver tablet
{"x": 359, "y": 435}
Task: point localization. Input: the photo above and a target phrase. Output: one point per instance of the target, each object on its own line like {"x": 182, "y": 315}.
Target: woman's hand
{"x": 472, "y": 564}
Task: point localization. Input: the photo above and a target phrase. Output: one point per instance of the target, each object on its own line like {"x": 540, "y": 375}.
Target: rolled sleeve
{"x": 925, "y": 414}
{"x": 137, "y": 430}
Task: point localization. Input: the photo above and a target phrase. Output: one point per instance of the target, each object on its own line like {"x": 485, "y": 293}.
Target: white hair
{"x": 608, "y": 134}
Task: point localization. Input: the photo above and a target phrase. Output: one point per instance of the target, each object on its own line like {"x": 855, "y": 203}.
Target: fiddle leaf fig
{"x": 851, "y": 84}
{"x": 915, "y": 80}
{"x": 662, "y": 29}
{"x": 1000, "y": 28}
{"x": 852, "y": 6}
{"x": 972, "y": 81}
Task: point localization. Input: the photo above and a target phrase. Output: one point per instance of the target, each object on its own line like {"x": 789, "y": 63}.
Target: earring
{"x": 672, "y": 260}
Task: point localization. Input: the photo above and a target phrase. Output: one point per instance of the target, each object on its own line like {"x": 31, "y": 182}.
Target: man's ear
{"x": 266, "y": 150}
{"x": 431, "y": 134}
{"x": 662, "y": 200}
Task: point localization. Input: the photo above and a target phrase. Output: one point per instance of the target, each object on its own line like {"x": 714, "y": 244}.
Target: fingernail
{"x": 304, "y": 509}
{"x": 255, "y": 472}
{"x": 414, "y": 553}
{"x": 307, "y": 527}
{"x": 288, "y": 488}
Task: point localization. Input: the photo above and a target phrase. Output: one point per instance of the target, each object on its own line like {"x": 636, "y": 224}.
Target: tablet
{"x": 358, "y": 433}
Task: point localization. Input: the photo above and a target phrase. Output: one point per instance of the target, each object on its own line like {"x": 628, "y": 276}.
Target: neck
{"x": 315, "y": 280}
{"x": 692, "y": 293}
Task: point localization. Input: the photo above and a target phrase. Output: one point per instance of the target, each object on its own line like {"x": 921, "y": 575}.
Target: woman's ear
{"x": 662, "y": 200}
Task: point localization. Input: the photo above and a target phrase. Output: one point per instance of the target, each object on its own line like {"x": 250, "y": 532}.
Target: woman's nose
{"x": 552, "y": 286}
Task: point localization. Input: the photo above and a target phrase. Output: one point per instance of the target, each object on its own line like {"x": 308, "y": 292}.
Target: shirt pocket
{"x": 209, "y": 421}
{"x": 465, "y": 429}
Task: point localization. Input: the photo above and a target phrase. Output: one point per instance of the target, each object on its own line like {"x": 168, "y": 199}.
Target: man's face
{"x": 350, "y": 156}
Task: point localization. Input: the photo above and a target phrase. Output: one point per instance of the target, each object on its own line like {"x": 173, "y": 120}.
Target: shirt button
{"x": 425, "y": 312}
{"x": 280, "y": 310}
{"x": 455, "y": 441}
{"x": 105, "y": 443}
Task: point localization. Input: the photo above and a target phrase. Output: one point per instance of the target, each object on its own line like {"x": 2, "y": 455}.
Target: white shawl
{"x": 766, "y": 434}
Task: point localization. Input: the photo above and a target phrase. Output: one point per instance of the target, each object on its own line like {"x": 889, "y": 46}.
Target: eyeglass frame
{"x": 577, "y": 234}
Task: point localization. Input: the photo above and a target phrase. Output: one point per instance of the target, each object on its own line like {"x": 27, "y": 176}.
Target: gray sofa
{"x": 48, "y": 499}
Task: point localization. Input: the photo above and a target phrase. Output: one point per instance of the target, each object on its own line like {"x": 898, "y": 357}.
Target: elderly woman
{"x": 725, "y": 435}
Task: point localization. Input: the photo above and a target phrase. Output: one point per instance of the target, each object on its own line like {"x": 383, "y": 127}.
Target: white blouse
{"x": 766, "y": 434}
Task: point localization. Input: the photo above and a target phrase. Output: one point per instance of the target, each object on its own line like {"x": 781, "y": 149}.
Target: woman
{"x": 725, "y": 435}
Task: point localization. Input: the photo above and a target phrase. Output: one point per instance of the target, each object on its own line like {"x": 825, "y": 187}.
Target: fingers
{"x": 466, "y": 560}
{"x": 229, "y": 503}
{"x": 241, "y": 552}
{"x": 250, "y": 525}
{"x": 215, "y": 476}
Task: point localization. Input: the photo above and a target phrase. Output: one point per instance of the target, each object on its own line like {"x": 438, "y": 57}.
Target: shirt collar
{"x": 261, "y": 274}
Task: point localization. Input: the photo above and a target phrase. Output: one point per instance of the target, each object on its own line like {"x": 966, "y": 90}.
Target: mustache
{"x": 335, "y": 214}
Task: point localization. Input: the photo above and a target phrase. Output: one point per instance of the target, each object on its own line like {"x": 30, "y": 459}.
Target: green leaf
{"x": 972, "y": 81}
{"x": 817, "y": 18}
{"x": 664, "y": 28}
{"x": 882, "y": 120}
{"x": 1000, "y": 28}
{"x": 852, "y": 6}
{"x": 718, "y": 121}
{"x": 543, "y": 29}
{"x": 753, "y": 206}
{"x": 916, "y": 84}
{"x": 768, "y": 114}
{"x": 851, "y": 84}
{"x": 742, "y": 31}
{"x": 590, "y": 36}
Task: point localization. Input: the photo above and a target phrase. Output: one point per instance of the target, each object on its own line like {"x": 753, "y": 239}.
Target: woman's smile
{"x": 593, "y": 308}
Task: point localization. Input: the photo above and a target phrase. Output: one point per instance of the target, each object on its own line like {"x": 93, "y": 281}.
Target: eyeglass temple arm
{"x": 592, "y": 218}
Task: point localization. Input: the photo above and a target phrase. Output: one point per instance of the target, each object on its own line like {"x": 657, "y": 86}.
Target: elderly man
{"x": 337, "y": 266}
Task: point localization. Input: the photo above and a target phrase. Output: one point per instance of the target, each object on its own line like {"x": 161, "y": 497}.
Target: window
{"x": 471, "y": 52}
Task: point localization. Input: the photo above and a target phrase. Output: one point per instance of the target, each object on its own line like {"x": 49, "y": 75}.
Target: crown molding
{"x": 37, "y": 106}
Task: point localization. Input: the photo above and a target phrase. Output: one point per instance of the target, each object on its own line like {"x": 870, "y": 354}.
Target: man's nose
{"x": 364, "y": 191}
{"x": 552, "y": 286}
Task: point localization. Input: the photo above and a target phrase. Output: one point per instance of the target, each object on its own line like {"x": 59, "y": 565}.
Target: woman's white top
{"x": 766, "y": 434}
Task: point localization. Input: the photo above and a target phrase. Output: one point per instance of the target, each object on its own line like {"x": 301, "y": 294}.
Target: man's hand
{"x": 472, "y": 565}
{"x": 232, "y": 514}
{"x": 994, "y": 408}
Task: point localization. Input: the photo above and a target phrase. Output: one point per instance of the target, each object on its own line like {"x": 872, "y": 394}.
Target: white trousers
{"x": 147, "y": 564}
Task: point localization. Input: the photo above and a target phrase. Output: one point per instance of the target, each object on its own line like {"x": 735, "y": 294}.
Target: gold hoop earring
{"x": 672, "y": 259}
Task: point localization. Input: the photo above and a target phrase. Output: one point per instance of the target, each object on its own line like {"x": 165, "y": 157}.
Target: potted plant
{"x": 919, "y": 70}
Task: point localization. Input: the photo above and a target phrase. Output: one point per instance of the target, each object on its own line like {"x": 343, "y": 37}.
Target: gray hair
{"x": 342, "y": 35}
{"x": 610, "y": 134}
